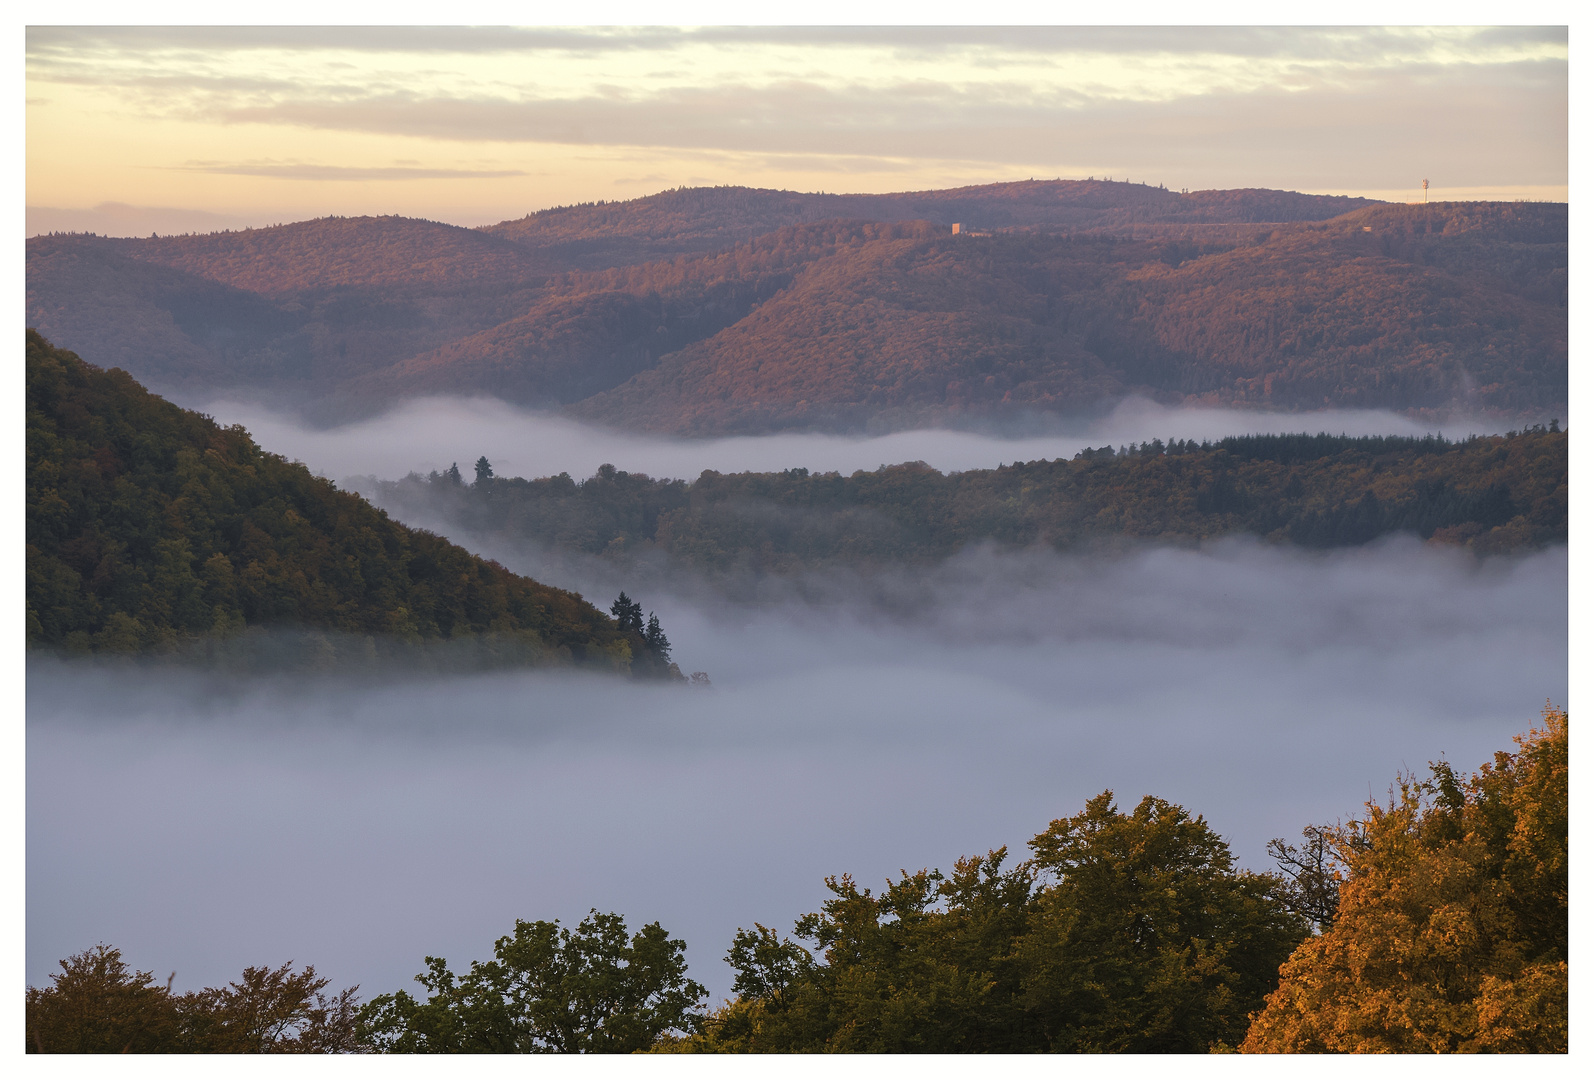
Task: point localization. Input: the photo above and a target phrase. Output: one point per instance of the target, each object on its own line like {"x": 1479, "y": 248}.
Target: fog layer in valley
{"x": 430, "y": 434}
{"x": 203, "y": 824}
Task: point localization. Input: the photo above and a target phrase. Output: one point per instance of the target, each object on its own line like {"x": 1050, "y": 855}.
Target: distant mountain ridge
{"x": 694, "y": 220}
{"x": 718, "y": 310}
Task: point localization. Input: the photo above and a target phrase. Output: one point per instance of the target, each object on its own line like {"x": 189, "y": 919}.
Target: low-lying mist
{"x": 433, "y": 433}
{"x": 204, "y": 823}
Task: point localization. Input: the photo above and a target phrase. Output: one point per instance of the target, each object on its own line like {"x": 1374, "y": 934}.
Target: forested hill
{"x": 1491, "y": 494}
{"x": 296, "y": 308}
{"x": 692, "y": 220}
{"x": 150, "y": 527}
{"x": 907, "y": 325}
{"x": 1070, "y": 300}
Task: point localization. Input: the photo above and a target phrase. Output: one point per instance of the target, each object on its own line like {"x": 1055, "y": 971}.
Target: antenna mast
{"x": 1425, "y": 191}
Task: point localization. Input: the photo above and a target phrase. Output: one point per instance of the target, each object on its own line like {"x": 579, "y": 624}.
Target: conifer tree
{"x": 628, "y": 613}
{"x": 656, "y": 640}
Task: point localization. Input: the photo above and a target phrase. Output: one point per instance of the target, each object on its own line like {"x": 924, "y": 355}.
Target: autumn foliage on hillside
{"x": 925, "y": 327}
{"x": 149, "y": 526}
{"x": 720, "y": 311}
{"x": 1297, "y": 323}
{"x": 592, "y": 331}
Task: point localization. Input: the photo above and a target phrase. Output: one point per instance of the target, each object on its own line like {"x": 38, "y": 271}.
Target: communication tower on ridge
{"x": 1425, "y": 191}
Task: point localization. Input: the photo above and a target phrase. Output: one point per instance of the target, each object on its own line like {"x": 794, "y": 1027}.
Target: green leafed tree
{"x": 548, "y": 989}
{"x": 1149, "y": 939}
{"x": 1125, "y": 932}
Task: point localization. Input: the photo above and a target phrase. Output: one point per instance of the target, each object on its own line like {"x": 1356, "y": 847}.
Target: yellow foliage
{"x": 1451, "y": 934}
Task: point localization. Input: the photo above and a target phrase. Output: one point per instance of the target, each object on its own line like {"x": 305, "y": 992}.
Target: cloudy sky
{"x": 129, "y": 128}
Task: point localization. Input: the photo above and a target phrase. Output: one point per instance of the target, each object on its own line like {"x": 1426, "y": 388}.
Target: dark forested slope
{"x": 149, "y": 525}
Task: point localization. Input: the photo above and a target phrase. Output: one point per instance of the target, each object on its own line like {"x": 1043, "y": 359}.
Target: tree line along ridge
{"x": 1489, "y": 494}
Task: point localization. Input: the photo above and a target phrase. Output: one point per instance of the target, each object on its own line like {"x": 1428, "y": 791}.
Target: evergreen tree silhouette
{"x": 628, "y": 613}
{"x": 656, "y": 640}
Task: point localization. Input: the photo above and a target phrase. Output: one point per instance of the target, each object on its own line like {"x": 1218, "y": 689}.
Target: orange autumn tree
{"x": 1451, "y": 932}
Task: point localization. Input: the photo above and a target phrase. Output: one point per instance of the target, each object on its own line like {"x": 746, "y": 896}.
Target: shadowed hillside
{"x": 293, "y": 308}
{"x": 592, "y": 331}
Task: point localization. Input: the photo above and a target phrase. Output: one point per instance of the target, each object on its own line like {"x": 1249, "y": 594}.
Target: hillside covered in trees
{"x": 910, "y": 325}
{"x": 723, "y": 310}
{"x": 1435, "y": 922}
{"x": 151, "y": 529}
{"x": 296, "y": 309}
{"x": 1491, "y": 494}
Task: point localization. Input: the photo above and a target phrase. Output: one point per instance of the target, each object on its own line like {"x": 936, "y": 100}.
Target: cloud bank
{"x": 205, "y": 824}
{"x": 430, "y": 434}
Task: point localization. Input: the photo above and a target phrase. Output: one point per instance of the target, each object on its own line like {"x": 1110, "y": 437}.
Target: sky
{"x": 139, "y": 129}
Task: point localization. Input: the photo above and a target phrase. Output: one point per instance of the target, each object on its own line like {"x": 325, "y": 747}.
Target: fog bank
{"x": 205, "y": 824}
{"x": 430, "y": 434}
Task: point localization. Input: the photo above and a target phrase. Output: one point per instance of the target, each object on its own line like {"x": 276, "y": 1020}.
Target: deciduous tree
{"x": 1451, "y": 930}
{"x": 547, "y": 990}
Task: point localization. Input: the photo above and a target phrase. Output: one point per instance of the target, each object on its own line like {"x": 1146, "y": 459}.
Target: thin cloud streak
{"x": 1357, "y": 43}
{"x": 349, "y": 172}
